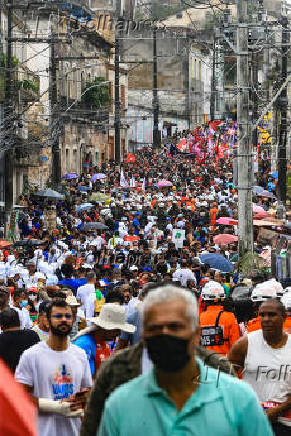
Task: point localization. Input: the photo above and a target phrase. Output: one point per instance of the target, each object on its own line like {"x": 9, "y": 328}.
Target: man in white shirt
{"x": 53, "y": 372}
{"x": 184, "y": 273}
{"x": 84, "y": 291}
{"x": 20, "y": 303}
{"x": 98, "y": 242}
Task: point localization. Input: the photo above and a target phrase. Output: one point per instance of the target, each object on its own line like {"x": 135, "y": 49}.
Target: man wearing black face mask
{"x": 180, "y": 395}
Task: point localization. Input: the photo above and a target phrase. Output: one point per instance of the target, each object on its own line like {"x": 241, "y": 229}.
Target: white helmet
{"x": 286, "y": 299}
{"x": 266, "y": 290}
{"x": 212, "y": 291}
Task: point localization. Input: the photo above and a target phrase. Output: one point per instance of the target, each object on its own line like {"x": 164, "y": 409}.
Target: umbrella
{"x": 268, "y": 222}
{"x": 84, "y": 188}
{"x": 99, "y": 196}
{"x": 227, "y": 221}
{"x": 84, "y": 206}
{"x": 28, "y": 243}
{"x": 225, "y": 239}
{"x": 258, "y": 189}
{"x": 49, "y": 193}
{"x": 258, "y": 209}
{"x": 95, "y": 226}
{"x": 217, "y": 261}
{"x": 98, "y": 176}
{"x": 164, "y": 183}
{"x": 70, "y": 176}
{"x": 262, "y": 215}
{"x": 267, "y": 194}
{"x": 5, "y": 244}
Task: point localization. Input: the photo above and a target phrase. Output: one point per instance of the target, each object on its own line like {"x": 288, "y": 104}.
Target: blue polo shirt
{"x": 221, "y": 406}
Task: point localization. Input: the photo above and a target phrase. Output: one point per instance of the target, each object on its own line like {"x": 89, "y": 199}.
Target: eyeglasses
{"x": 62, "y": 315}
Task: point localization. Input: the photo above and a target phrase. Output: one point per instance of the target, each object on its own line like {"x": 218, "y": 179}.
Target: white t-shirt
{"x": 84, "y": 291}
{"x": 24, "y": 317}
{"x": 184, "y": 274}
{"x": 55, "y": 375}
{"x": 98, "y": 242}
{"x": 90, "y": 306}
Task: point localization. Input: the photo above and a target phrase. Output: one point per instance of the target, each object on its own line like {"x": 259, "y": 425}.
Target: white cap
{"x": 266, "y": 290}
{"x": 286, "y": 299}
{"x": 212, "y": 290}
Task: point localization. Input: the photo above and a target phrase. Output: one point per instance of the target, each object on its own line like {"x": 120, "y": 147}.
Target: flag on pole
{"x": 143, "y": 185}
{"x": 132, "y": 182}
{"x": 182, "y": 145}
{"x": 123, "y": 182}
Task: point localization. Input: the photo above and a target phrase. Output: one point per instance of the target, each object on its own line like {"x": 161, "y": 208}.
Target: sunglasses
{"x": 62, "y": 315}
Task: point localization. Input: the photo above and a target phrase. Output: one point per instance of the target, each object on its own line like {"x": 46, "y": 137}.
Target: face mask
{"x": 32, "y": 297}
{"x": 167, "y": 352}
{"x": 24, "y": 303}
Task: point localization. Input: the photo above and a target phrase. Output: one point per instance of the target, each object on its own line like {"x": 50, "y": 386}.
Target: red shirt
{"x": 102, "y": 353}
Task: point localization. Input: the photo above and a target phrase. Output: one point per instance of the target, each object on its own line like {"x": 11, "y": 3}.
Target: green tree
{"x": 95, "y": 94}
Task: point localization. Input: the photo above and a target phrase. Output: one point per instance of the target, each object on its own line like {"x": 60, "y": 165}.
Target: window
{"x": 83, "y": 80}
{"x": 67, "y": 160}
{"x": 75, "y": 159}
{"x": 122, "y": 96}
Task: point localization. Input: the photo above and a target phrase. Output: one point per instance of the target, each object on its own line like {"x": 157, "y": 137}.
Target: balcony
{"x": 26, "y": 83}
{"x": 83, "y": 113}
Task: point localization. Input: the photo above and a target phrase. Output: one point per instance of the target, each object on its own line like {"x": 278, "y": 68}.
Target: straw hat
{"x": 71, "y": 300}
{"x": 113, "y": 317}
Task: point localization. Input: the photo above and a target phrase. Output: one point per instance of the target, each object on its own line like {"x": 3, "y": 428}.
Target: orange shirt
{"x": 254, "y": 324}
{"x": 212, "y": 213}
{"x": 287, "y": 325}
{"x": 228, "y": 321}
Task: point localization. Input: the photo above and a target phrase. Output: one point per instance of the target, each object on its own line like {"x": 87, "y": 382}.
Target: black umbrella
{"x": 28, "y": 243}
{"x": 95, "y": 226}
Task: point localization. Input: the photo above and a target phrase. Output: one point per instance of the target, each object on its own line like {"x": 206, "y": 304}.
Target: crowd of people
{"x": 138, "y": 284}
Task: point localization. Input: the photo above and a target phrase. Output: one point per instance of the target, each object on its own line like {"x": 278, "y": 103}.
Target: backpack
{"x": 212, "y": 335}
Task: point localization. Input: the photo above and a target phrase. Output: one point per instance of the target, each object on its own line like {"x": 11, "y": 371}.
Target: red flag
{"x": 130, "y": 158}
{"x": 17, "y": 417}
{"x": 214, "y": 124}
{"x": 182, "y": 144}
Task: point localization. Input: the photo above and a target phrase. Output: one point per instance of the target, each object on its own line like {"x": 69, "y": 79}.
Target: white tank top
{"x": 268, "y": 370}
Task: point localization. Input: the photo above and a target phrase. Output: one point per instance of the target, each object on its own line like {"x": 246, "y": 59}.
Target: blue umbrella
{"x": 217, "y": 261}
{"x": 84, "y": 188}
{"x": 84, "y": 206}
{"x": 70, "y": 176}
{"x": 98, "y": 176}
{"x": 258, "y": 189}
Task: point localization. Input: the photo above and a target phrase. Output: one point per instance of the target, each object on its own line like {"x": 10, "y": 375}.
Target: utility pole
{"x": 8, "y": 117}
{"x": 156, "y": 133}
{"x": 116, "y": 88}
{"x": 54, "y": 121}
{"x": 219, "y": 71}
{"x": 245, "y": 209}
{"x": 213, "y": 84}
{"x": 282, "y": 158}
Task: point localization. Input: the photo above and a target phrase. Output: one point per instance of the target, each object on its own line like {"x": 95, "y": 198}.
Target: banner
{"x": 178, "y": 237}
{"x": 123, "y": 182}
